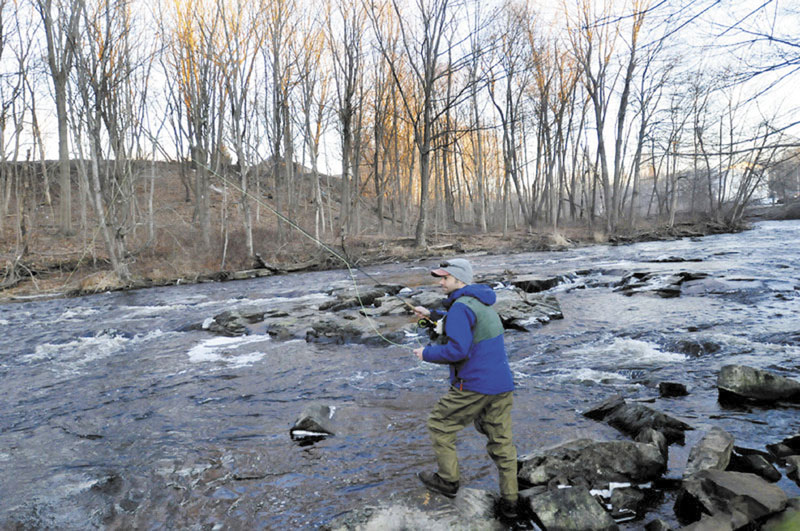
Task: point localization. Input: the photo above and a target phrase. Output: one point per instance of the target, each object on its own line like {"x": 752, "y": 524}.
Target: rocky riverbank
{"x": 591, "y": 485}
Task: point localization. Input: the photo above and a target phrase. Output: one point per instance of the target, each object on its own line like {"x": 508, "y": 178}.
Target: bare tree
{"x": 313, "y": 90}
{"x": 12, "y": 86}
{"x": 191, "y": 56}
{"x": 382, "y": 117}
{"x": 507, "y": 89}
{"x": 422, "y": 33}
{"x": 594, "y": 41}
{"x": 244, "y": 34}
{"x": 280, "y": 28}
{"x": 474, "y": 71}
{"x": 653, "y": 81}
{"x": 346, "y": 24}
{"x": 105, "y": 65}
{"x": 60, "y": 21}
{"x": 754, "y": 172}
{"x": 764, "y": 42}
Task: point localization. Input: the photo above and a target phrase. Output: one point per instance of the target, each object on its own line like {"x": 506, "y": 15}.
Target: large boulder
{"x": 788, "y": 520}
{"x": 665, "y": 285}
{"x": 593, "y": 463}
{"x": 386, "y": 306}
{"x": 793, "y": 468}
{"x": 431, "y": 299}
{"x": 695, "y": 347}
{"x": 535, "y": 283}
{"x": 233, "y": 323}
{"x": 359, "y": 297}
{"x": 522, "y": 311}
{"x": 753, "y": 462}
{"x": 654, "y": 437}
{"x": 788, "y": 446}
{"x": 348, "y": 327}
{"x": 626, "y": 502}
{"x": 671, "y": 389}
{"x": 634, "y": 417}
{"x": 718, "y": 522}
{"x": 566, "y": 509}
{"x": 657, "y": 525}
{"x": 713, "y": 451}
{"x": 746, "y": 498}
{"x": 736, "y": 382}
{"x": 284, "y": 326}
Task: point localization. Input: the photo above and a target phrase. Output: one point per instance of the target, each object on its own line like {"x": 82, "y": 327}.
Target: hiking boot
{"x": 437, "y": 484}
{"x": 508, "y": 510}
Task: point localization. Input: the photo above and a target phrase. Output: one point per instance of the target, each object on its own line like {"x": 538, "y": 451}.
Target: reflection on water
{"x": 111, "y": 414}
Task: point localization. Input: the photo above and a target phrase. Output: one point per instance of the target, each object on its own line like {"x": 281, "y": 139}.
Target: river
{"x": 114, "y": 414}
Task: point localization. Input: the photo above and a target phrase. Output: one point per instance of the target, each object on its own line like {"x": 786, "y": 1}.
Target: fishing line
{"x": 350, "y": 267}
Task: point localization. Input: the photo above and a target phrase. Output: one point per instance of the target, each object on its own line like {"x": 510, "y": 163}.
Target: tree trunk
{"x": 65, "y": 202}
{"x": 479, "y": 168}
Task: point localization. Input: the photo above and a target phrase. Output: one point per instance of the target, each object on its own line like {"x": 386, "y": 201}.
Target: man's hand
{"x": 418, "y": 352}
{"x": 422, "y": 311}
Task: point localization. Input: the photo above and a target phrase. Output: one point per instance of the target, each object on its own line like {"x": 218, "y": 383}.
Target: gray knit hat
{"x": 457, "y": 267}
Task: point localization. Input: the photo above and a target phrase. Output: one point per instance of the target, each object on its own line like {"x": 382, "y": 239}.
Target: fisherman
{"x": 481, "y": 384}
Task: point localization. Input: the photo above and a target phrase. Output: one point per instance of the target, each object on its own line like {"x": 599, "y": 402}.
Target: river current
{"x": 114, "y": 414}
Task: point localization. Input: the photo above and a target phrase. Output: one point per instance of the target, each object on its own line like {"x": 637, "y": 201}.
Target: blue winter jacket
{"x": 481, "y": 367}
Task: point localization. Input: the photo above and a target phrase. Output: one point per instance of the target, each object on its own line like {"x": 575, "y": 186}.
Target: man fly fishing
{"x": 481, "y": 384}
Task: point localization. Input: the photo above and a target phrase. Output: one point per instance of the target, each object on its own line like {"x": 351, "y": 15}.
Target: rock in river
{"x": 671, "y": 389}
{"x": 743, "y": 498}
{"x": 314, "y": 423}
{"x": 753, "y": 462}
{"x": 787, "y": 520}
{"x": 596, "y": 463}
{"x": 568, "y": 509}
{"x": 713, "y": 451}
{"x": 793, "y": 468}
{"x": 742, "y": 382}
{"x": 234, "y": 322}
{"x": 633, "y": 418}
{"x": 353, "y": 297}
{"x": 523, "y": 311}
{"x": 788, "y": 446}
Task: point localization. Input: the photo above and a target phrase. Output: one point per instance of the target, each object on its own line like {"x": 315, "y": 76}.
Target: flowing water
{"x": 114, "y": 414}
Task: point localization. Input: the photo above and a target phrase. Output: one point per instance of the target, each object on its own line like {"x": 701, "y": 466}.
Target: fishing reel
{"x": 433, "y": 328}
{"x": 426, "y": 323}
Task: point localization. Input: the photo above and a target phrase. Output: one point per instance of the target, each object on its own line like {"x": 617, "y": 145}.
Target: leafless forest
{"x": 155, "y": 138}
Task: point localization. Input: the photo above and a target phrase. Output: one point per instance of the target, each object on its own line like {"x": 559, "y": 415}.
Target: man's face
{"x": 449, "y": 284}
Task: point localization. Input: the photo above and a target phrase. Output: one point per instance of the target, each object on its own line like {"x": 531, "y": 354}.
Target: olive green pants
{"x": 491, "y": 415}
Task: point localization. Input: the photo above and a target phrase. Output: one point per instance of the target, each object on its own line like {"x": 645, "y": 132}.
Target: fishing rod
{"x": 422, "y": 322}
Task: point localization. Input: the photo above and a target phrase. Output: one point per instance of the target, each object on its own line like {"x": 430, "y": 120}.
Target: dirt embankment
{"x": 62, "y": 272}
{"x": 165, "y": 246}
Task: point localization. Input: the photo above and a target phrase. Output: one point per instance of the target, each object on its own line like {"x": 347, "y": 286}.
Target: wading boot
{"x": 437, "y": 484}
{"x": 508, "y": 510}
